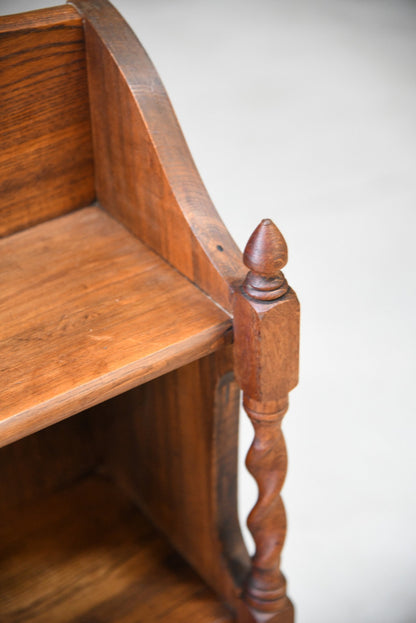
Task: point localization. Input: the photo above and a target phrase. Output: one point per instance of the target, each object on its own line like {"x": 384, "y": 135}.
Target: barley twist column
{"x": 266, "y": 334}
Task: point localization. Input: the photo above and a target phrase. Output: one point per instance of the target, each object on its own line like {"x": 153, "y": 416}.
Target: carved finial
{"x": 265, "y": 255}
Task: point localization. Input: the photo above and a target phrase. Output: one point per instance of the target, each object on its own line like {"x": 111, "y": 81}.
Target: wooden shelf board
{"x": 86, "y": 312}
{"x": 87, "y": 554}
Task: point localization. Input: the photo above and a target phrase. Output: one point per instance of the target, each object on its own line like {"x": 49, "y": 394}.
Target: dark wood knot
{"x": 265, "y": 255}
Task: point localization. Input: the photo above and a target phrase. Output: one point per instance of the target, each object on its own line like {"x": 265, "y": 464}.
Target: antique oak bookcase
{"x": 129, "y": 322}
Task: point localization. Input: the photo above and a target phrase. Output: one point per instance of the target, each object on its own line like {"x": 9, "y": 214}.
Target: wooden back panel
{"x": 145, "y": 175}
{"x": 46, "y": 160}
{"x": 47, "y": 461}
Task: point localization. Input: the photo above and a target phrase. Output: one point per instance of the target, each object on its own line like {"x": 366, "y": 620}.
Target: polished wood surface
{"x": 154, "y": 187}
{"x": 124, "y": 313}
{"x": 171, "y": 445}
{"x": 266, "y": 330}
{"x": 53, "y": 17}
{"x": 265, "y": 255}
{"x": 86, "y": 312}
{"x": 85, "y": 554}
{"x": 46, "y": 162}
{"x": 265, "y": 591}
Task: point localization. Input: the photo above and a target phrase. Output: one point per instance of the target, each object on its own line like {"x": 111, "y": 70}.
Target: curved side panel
{"x": 145, "y": 175}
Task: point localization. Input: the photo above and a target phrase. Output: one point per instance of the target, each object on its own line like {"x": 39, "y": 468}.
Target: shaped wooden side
{"x": 145, "y": 175}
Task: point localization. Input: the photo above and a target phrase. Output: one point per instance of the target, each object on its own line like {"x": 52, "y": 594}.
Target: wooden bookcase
{"x": 128, "y": 326}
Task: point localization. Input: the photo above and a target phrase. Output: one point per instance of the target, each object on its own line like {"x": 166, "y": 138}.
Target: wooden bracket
{"x": 266, "y": 333}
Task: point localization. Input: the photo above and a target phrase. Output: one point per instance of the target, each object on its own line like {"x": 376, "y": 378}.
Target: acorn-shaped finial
{"x": 265, "y": 255}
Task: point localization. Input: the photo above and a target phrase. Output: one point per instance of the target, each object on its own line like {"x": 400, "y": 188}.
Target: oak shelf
{"x": 86, "y": 554}
{"x": 93, "y": 314}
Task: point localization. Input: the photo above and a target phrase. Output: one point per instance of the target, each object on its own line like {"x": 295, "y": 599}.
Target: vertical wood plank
{"x": 46, "y": 161}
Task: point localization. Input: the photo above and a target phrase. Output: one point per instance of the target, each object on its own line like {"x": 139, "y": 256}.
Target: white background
{"x": 305, "y": 112}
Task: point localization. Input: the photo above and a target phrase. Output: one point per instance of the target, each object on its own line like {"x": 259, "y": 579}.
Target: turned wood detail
{"x": 266, "y": 329}
{"x": 265, "y": 255}
{"x": 267, "y": 462}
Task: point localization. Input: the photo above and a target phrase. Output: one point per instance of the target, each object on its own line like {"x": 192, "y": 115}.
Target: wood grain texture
{"x": 46, "y": 160}
{"x": 266, "y": 352}
{"x": 267, "y": 462}
{"x": 86, "y": 554}
{"x": 47, "y": 461}
{"x": 86, "y": 312}
{"x": 39, "y": 18}
{"x": 145, "y": 175}
{"x": 171, "y": 445}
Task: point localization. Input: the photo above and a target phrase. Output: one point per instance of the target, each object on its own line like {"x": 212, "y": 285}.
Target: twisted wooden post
{"x": 266, "y": 333}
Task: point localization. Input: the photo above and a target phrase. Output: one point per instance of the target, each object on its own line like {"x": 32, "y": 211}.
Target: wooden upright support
{"x": 266, "y": 331}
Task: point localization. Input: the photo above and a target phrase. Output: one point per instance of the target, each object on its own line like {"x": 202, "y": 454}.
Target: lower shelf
{"x": 87, "y": 555}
